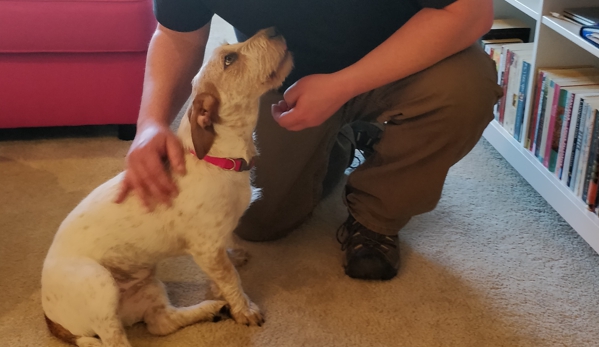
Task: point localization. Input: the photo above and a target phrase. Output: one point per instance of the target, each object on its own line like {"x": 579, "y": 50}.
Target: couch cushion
{"x": 28, "y": 26}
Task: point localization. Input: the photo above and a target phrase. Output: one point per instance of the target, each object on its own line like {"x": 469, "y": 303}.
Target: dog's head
{"x": 232, "y": 81}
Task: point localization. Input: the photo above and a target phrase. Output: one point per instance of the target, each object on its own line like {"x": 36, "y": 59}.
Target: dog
{"x": 98, "y": 276}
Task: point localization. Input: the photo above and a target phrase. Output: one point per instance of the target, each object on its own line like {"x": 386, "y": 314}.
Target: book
{"x": 500, "y": 42}
{"x": 590, "y": 34}
{"x": 522, "y": 97}
{"x": 546, "y": 96}
{"x": 594, "y": 142}
{"x": 570, "y": 121}
{"x": 533, "y": 120}
{"x": 582, "y": 147}
{"x": 564, "y": 136}
{"x": 513, "y": 89}
{"x": 541, "y": 116}
{"x": 504, "y": 68}
{"x": 573, "y": 141}
{"x": 583, "y": 15}
{"x": 556, "y": 115}
{"x": 547, "y": 119}
{"x": 592, "y": 192}
{"x": 555, "y": 146}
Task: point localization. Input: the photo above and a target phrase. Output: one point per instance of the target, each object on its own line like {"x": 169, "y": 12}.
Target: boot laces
{"x": 352, "y": 232}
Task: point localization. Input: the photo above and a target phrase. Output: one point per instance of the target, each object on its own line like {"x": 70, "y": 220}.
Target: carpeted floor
{"x": 493, "y": 265}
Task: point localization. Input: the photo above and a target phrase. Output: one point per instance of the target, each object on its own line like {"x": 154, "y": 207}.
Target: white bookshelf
{"x": 557, "y": 44}
{"x": 529, "y": 7}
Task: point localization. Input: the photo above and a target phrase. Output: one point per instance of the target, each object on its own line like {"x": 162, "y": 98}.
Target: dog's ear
{"x": 202, "y": 114}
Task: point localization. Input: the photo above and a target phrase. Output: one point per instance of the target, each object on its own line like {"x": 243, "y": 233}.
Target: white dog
{"x": 98, "y": 275}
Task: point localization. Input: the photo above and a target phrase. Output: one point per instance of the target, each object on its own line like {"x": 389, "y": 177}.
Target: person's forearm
{"x": 173, "y": 59}
{"x": 427, "y": 38}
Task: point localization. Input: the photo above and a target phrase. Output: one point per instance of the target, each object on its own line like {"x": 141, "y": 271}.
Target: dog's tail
{"x": 88, "y": 342}
{"x": 66, "y": 336}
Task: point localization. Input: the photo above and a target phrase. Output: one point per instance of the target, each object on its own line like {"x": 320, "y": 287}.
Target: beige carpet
{"x": 493, "y": 265}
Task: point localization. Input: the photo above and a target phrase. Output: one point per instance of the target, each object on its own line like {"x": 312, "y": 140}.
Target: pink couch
{"x": 77, "y": 62}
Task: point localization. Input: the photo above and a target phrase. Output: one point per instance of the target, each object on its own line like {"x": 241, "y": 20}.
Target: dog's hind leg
{"x": 80, "y": 299}
{"x": 217, "y": 265}
{"x": 161, "y": 317}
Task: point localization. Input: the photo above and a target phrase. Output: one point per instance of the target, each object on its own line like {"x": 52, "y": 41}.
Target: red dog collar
{"x": 229, "y": 164}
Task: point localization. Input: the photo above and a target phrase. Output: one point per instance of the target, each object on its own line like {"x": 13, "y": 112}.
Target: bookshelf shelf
{"x": 529, "y": 7}
{"x": 571, "y": 208}
{"x": 555, "y": 45}
{"x": 570, "y": 31}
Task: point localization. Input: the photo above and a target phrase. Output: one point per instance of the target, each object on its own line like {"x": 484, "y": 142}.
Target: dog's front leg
{"x": 217, "y": 265}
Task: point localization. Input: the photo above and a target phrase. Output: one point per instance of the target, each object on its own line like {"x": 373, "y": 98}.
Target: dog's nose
{"x": 272, "y": 32}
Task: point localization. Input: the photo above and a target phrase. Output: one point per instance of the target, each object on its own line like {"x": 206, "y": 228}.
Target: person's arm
{"x": 173, "y": 59}
{"x": 427, "y": 38}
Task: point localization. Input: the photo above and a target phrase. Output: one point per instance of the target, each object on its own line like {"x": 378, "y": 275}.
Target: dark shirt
{"x": 324, "y": 35}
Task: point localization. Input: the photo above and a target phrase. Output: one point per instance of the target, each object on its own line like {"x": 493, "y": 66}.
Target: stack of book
{"x": 587, "y": 18}
{"x": 513, "y": 61}
{"x": 507, "y": 43}
{"x": 583, "y": 15}
{"x": 563, "y": 131}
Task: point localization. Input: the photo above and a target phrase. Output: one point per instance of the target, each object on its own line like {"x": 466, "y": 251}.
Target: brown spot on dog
{"x": 61, "y": 333}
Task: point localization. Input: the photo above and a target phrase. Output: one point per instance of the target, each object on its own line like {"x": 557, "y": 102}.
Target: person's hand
{"x": 310, "y": 102}
{"x": 146, "y": 173}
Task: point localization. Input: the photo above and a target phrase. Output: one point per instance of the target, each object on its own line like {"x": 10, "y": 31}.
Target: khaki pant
{"x": 433, "y": 119}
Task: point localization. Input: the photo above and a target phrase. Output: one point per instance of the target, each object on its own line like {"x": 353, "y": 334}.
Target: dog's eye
{"x": 230, "y": 59}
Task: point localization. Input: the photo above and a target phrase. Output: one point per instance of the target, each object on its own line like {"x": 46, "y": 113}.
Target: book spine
{"x": 580, "y": 150}
{"x": 512, "y": 91}
{"x": 577, "y": 142}
{"x": 592, "y": 155}
{"x": 522, "y": 100}
{"x": 593, "y": 184}
{"x": 532, "y": 123}
{"x": 504, "y": 83}
{"x": 539, "y": 136}
{"x": 551, "y": 131}
{"x": 564, "y": 136}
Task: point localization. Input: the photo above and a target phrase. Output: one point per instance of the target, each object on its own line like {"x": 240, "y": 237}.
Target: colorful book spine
{"x": 541, "y": 118}
{"x": 532, "y": 124}
{"x": 564, "y": 136}
{"x": 581, "y": 147}
{"x": 504, "y": 81}
{"x": 592, "y": 154}
{"x": 522, "y": 99}
{"x": 552, "y": 116}
{"x": 592, "y": 192}
{"x": 577, "y": 143}
{"x": 561, "y": 96}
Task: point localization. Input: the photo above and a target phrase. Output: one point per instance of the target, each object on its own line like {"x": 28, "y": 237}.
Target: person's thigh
{"x": 433, "y": 118}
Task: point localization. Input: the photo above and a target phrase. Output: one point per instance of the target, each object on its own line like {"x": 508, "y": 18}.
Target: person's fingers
{"x": 174, "y": 152}
{"x": 154, "y": 177}
{"x": 292, "y": 94}
{"x": 124, "y": 190}
{"x": 141, "y": 191}
{"x": 292, "y": 119}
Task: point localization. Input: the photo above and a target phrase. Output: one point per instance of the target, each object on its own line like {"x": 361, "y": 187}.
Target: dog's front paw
{"x": 249, "y": 316}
